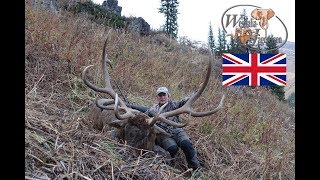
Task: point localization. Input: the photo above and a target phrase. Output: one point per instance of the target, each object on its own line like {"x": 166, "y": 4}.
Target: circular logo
{"x": 252, "y": 26}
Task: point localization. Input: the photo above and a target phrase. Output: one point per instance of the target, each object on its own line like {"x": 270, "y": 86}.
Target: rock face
{"x": 138, "y": 25}
{"x": 47, "y": 4}
{"x": 112, "y": 5}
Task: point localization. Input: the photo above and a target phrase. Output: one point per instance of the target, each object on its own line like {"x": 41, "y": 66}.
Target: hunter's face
{"x": 162, "y": 98}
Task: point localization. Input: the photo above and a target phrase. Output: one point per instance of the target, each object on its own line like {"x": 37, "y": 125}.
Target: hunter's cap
{"x": 162, "y": 90}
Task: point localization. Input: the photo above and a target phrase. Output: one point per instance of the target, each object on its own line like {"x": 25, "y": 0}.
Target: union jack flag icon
{"x": 253, "y": 69}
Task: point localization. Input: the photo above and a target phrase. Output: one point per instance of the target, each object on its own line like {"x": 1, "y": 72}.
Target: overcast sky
{"x": 195, "y": 15}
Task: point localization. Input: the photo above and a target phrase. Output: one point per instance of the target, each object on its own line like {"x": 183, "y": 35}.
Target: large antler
{"x": 186, "y": 108}
{"x": 108, "y": 103}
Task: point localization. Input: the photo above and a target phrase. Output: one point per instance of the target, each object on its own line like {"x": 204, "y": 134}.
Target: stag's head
{"x": 140, "y": 130}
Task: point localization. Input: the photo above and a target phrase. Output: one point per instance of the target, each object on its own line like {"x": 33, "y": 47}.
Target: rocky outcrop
{"x": 112, "y": 5}
{"x": 138, "y": 25}
{"x": 47, "y": 4}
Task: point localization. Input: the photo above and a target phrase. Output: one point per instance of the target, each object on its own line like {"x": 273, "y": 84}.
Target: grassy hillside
{"x": 252, "y": 137}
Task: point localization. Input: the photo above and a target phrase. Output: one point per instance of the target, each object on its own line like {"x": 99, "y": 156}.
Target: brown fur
{"x": 139, "y": 134}
{"x": 101, "y": 119}
{"x": 136, "y": 132}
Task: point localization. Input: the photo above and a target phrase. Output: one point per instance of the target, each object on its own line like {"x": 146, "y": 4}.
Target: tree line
{"x": 222, "y": 45}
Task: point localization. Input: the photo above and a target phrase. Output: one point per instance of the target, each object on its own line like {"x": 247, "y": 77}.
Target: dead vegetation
{"x": 252, "y": 137}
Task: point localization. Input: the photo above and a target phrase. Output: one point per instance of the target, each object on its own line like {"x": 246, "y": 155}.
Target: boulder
{"x": 112, "y": 5}
{"x": 138, "y": 25}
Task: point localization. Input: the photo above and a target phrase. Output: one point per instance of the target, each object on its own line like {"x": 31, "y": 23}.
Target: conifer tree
{"x": 170, "y": 10}
{"x": 232, "y": 45}
{"x": 211, "y": 40}
{"x": 222, "y": 41}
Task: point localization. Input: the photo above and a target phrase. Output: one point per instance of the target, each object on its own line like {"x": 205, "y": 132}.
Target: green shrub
{"x": 278, "y": 91}
{"x": 206, "y": 128}
{"x": 98, "y": 14}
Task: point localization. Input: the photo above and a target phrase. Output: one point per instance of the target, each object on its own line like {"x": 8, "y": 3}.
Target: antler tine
{"x": 159, "y": 130}
{"x": 126, "y": 115}
{"x": 207, "y": 113}
{"x": 108, "y": 88}
{"x": 186, "y": 108}
{"x": 158, "y": 117}
{"x": 105, "y": 103}
{"x": 105, "y": 61}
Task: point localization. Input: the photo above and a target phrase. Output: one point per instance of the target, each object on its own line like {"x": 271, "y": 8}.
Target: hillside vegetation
{"x": 252, "y": 137}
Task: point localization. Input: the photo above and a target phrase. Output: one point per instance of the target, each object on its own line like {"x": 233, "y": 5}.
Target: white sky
{"x": 195, "y": 15}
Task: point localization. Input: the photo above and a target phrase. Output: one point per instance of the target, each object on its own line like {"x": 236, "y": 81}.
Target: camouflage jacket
{"x": 172, "y": 105}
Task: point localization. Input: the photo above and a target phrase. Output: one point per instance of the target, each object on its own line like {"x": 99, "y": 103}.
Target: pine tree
{"x": 222, "y": 41}
{"x": 233, "y": 45}
{"x": 170, "y": 10}
{"x": 211, "y": 40}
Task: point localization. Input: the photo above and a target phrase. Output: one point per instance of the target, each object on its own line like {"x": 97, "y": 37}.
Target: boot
{"x": 193, "y": 162}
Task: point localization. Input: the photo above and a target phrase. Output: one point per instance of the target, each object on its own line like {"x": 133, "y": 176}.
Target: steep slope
{"x": 252, "y": 137}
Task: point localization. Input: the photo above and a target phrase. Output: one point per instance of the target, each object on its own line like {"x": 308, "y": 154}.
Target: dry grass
{"x": 251, "y": 138}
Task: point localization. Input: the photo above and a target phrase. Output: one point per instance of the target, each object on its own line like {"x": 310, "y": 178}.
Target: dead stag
{"x": 134, "y": 127}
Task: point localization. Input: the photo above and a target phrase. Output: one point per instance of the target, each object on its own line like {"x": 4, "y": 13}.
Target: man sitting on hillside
{"x": 179, "y": 137}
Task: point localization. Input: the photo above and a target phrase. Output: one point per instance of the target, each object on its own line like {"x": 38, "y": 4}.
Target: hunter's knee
{"x": 173, "y": 150}
{"x": 187, "y": 147}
